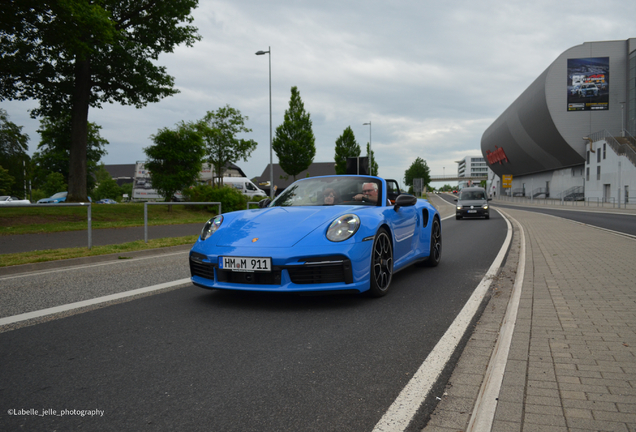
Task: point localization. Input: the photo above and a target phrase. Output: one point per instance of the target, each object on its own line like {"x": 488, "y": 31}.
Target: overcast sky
{"x": 430, "y": 76}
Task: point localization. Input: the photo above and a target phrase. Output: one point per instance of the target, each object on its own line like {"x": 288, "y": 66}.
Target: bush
{"x": 230, "y": 198}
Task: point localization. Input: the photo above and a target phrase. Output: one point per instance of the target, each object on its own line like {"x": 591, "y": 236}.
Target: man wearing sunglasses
{"x": 369, "y": 193}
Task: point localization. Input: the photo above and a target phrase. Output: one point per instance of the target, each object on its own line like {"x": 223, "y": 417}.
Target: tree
{"x": 418, "y": 169}
{"x": 6, "y": 182}
{"x": 107, "y": 187}
{"x": 174, "y": 161}
{"x": 13, "y": 153}
{"x": 294, "y": 142}
{"x": 55, "y": 147}
{"x": 346, "y": 146}
{"x": 75, "y": 54}
{"x": 373, "y": 162}
{"x": 54, "y": 183}
{"x": 219, "y": 130}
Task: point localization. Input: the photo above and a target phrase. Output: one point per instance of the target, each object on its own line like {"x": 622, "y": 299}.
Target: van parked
{"x": 244, "y": 185}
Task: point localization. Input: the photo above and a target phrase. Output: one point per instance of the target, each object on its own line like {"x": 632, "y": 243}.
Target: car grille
{"x": 200, "y": 268}
{"x": 255, "y": 278}
{"x": 322, "y": 270}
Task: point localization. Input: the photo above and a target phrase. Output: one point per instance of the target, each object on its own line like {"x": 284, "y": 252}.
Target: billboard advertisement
{"x": 588, "y": 84}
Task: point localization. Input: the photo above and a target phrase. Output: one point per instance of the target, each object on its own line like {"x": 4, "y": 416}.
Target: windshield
{"x": 336, "y": 190}
{"x": 473, "y": 195}
{"x": 59, "y": 195}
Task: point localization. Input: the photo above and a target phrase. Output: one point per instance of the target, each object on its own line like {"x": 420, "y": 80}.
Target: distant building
{"x": 472, "y": 166}
{"x": 570, "y": 134}
{"x": 122, "y": 174}
{"x": 282, "y": 180}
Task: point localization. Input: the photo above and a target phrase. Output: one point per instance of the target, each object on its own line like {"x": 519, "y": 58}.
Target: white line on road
{"x": 67, "y": 307}
{"x": 404, "y": 408}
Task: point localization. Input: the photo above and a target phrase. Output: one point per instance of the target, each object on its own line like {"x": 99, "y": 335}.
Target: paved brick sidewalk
{"x": 571, "y": 364}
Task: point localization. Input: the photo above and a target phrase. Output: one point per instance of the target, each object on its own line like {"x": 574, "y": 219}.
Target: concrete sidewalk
{"x": 571, "y": 364}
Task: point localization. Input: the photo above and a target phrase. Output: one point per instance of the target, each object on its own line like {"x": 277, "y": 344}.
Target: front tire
{"x": 381, "y": 264}
{"x": 435, "y": 254}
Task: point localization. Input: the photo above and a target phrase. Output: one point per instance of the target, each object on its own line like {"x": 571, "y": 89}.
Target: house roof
{"x": 282, "y": 180}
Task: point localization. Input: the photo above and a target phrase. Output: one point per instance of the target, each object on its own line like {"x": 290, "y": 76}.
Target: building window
{"x": 588, "y": 157}
{"x": 598, "y": 172}
{"x": 598, "y": 156}
{"x": 604, "y": 149}
{"x": 587, "y": 173}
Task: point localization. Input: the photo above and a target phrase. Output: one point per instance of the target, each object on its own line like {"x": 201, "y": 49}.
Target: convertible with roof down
{"x": 345, "y": 233}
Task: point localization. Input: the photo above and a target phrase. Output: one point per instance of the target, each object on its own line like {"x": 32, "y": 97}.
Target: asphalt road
{"x": 192, "y": 359}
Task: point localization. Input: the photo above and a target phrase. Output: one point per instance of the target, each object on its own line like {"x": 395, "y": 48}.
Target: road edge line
{"x": 399, "y": 415}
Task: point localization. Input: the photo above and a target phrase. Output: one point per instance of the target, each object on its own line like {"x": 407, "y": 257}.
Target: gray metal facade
{"x": 537, "y": 132}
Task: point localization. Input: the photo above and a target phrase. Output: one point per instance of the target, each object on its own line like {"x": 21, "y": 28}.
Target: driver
{"x": 369, "y": 193}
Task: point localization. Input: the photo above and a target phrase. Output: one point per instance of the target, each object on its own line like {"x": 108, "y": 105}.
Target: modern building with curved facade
{"x": 570, "y": 133}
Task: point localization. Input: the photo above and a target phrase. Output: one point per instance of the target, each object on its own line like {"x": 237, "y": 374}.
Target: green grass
{"x": 122, "y": 249}
{"x": 48, "y": 219}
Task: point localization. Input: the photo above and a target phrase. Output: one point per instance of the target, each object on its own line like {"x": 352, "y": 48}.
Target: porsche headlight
{"x": 211, "y": 226}
{"x": 343, "y": 228}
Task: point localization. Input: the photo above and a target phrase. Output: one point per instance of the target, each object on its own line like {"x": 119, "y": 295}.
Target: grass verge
{"x": 60, "y": 254}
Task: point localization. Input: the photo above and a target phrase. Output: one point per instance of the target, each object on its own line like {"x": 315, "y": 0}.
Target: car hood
{"x": 275, "y": 227}
{"x": 476, "y": 203}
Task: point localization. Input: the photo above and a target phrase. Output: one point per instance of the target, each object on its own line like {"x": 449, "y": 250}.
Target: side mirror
{"x": 404, "y": 200}
{"x": 455, "y": 200}
{"x": 264, "y": 203}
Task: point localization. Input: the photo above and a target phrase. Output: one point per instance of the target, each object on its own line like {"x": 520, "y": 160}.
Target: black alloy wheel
{"x": 381, "y": 264}
{"x": 435, "y": 255}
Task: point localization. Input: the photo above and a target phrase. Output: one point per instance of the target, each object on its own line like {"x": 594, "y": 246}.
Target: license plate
{"x": 472, "y": 211}
{"x": 245, "y": 264}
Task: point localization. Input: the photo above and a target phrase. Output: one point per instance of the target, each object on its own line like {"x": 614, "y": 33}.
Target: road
{"x": 616, "y": 221}
{"x": 191, "y": 359}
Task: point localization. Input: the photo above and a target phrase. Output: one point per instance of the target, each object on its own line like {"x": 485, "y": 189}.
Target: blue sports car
{"x": 345, "y": 233}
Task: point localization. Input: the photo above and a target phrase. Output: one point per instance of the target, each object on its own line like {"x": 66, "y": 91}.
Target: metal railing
{"x": 609, "y": 202}
{"x": 89, "y": 213}
{"x": 146, "y": 204}
{"x": 620, "y": 149}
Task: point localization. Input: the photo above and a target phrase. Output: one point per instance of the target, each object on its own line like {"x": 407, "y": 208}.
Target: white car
{"x": 11, "y": 200}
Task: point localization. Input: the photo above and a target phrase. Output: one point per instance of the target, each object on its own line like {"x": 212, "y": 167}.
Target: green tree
{"x": 55, "y": 148}
{"x": 174, "y": 161}
{"x": 54, "y": 183}
{"x": 418, "y": 169}
{"x": 107, "y": 187}
{"x": 6, "y": 182}
{"x": 74, "y": 54}
{"x": 13, "y": 153}
{"x": 294, "y": 142}
{"x": 219, "y": 130}
{"x": 373, "y": 162}
{"x": 346, "y": 147}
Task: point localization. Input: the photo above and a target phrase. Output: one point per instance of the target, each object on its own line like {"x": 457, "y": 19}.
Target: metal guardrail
{"x": 146, "y": 204}
{"x": 89, "y": 213}
{"x": 563, "y": 201}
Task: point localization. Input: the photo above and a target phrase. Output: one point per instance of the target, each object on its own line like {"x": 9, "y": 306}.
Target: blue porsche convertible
{"x": 346, "y": 233}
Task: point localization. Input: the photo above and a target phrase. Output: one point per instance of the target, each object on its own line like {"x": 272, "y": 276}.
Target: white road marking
{"x": 85, "y": 266}
{"x": 486, "y": 404}
{"x": 404, "y": 408}
{"x": 67, "y": 307}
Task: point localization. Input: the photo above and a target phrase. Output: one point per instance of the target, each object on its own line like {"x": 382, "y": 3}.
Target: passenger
{"x": 330, "y": 196}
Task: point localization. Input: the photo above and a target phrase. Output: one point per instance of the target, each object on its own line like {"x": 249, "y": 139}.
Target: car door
{"x": 403, "y": 223}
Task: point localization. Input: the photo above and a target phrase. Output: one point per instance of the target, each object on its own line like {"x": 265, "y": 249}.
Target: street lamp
{"x": 271, "y": 161}
{"x": 370, "y": 153}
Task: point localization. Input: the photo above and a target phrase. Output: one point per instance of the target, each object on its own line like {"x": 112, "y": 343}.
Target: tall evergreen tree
{"x": 294, "y": 142}
{"x": 346, "y": 147}
{"x": 373, "y": 170}
{"x": 74, "y": 54}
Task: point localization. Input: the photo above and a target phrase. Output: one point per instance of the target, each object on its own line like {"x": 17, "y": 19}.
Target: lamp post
{"x": 271, "y": 160}
{"x": 370, "y": 152}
